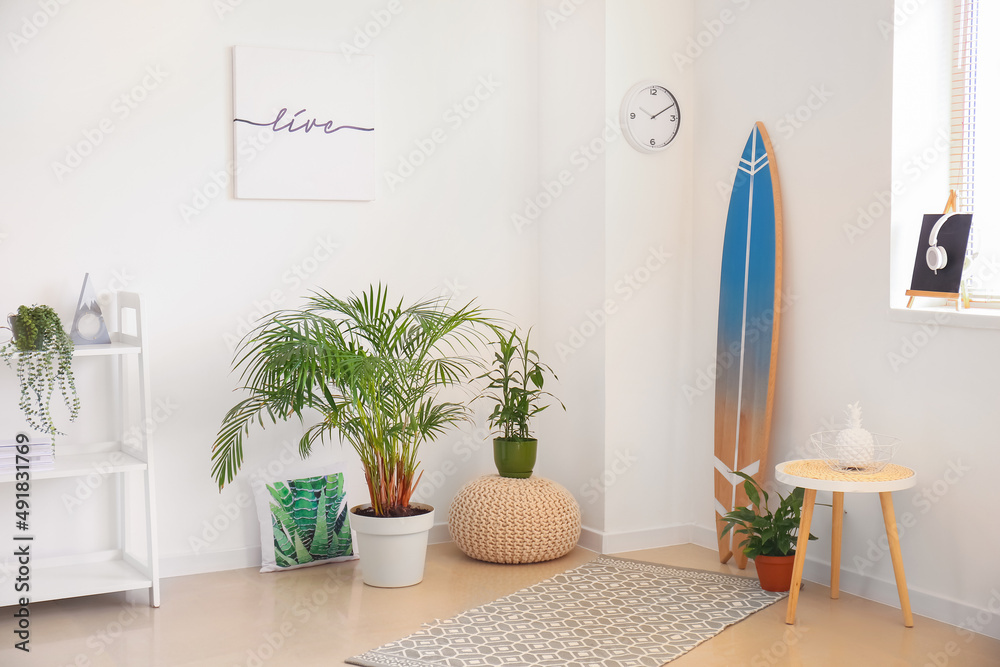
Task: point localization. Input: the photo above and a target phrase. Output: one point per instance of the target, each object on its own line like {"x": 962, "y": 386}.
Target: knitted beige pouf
{"x": 505, "y": 520}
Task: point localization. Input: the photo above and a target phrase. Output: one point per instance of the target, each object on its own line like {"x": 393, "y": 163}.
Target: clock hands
{"x": 652, "y": 117}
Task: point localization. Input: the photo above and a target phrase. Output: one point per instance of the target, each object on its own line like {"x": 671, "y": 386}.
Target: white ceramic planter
{"x": 392, "y": 549}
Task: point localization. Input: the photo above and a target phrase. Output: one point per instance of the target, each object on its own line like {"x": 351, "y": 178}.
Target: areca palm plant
{"x": 373, "y": 368}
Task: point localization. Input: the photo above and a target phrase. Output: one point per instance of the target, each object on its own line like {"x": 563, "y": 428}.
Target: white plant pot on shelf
{"x": 392, "y": 549}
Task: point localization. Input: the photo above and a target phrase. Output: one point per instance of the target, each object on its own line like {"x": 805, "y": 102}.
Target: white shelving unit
{"x": 134, "y": 564}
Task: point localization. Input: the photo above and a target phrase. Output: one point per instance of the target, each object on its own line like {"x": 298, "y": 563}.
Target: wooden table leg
{"x": 838, "y": 529}
{"x": 808, "y": 503}
{"x": 889, "y": 515}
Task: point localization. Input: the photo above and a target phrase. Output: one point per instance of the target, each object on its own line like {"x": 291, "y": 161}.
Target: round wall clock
{"x": 650, "y": 117}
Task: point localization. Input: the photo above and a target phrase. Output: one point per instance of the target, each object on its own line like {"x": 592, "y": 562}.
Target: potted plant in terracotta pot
{"x": 516, "y": 386}
{"x": 770, "y": 537}
{"x": 374, "y": 369}
{"x": 41, "y": 353}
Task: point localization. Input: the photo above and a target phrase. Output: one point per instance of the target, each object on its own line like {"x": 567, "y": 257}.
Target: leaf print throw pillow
{"x": 304, "y": 521}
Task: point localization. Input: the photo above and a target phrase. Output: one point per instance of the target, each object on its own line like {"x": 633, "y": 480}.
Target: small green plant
{"x": 44, "y": 362}
{"x": 516, "y": 385}
{"x": 767, "y": 533}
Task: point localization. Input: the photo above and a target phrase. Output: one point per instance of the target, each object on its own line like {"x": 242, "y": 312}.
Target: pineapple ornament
{"x": 855, "y": 445}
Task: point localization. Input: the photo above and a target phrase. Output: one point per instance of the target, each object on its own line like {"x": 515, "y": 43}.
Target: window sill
{"x": 986, "y": 316}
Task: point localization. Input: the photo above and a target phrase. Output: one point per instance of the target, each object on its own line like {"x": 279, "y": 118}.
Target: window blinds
{"x": 962, "y": 167}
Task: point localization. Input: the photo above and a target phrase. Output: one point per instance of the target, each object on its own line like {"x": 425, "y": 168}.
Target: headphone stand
{"x": 950, "y": 206}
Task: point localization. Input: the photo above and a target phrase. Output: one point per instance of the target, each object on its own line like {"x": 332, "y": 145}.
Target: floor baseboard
{"x": 210, "y": 561}
{"x": 965, "y": 617}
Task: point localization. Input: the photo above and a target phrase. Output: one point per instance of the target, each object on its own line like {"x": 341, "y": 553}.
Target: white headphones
{"x": 937, "y": 258}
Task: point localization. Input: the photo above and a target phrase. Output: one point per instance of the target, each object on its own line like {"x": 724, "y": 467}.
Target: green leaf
{"x": 516, "y": 383}
{"x": 741, "y": 515}
{"x": 374, "y": 370}
{"x": 766, "y": 533}
{"x": 290, "y": 545}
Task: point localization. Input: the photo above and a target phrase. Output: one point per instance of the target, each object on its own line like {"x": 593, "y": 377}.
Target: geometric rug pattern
{"x": 610, "y": 612}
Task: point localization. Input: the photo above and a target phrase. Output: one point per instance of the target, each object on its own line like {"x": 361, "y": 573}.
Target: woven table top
{"x": 818, "y": 469}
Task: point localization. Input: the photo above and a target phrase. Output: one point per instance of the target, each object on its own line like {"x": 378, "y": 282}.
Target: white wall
{"x": 614, "y": 270}
{"x": 648, "y": 261}
{"x": 445, "y": 228}
{"x": 571, "y": 247}
{"x": 776, "y": 62}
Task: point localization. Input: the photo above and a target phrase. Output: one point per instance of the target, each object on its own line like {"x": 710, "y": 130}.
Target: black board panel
{"x": 953, "y": 237}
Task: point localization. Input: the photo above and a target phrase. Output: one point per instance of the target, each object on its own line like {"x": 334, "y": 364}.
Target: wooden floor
{"x": 321, "y": 615}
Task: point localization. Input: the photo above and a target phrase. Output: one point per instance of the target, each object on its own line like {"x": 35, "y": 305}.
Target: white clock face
{"x": 650, "y": 117}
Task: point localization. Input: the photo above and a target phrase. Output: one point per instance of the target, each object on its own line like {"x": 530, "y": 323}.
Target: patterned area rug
{"x": 610, "y": 612}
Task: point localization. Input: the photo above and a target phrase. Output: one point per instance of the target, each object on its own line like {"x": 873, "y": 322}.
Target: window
{"x": 946, "y": 90}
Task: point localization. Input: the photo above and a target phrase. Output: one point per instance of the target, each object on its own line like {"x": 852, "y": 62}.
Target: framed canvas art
{"x": 304, "y": 125}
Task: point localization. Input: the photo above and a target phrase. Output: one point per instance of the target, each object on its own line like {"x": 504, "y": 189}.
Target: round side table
{"x": 814, "y": 475}
{"x": 507, "y": 520}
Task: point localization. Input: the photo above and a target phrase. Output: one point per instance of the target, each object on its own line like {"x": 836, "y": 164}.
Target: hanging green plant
{"x": 41, "y": 353}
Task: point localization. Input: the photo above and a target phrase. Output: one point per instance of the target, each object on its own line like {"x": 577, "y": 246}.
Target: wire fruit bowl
{"x": 845, "y": 458}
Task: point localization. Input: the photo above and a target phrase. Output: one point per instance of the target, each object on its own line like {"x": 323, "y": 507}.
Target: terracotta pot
{"x": 775, "y": 572}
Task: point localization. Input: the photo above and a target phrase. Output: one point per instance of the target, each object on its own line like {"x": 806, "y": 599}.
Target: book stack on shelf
{"x": 40, "y": 455}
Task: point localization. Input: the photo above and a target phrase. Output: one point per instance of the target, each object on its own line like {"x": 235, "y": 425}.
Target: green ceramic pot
{"x": 515, "y": 457}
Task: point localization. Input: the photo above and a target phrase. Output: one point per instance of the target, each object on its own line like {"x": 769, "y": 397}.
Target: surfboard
{"x": 749, "y": 306}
